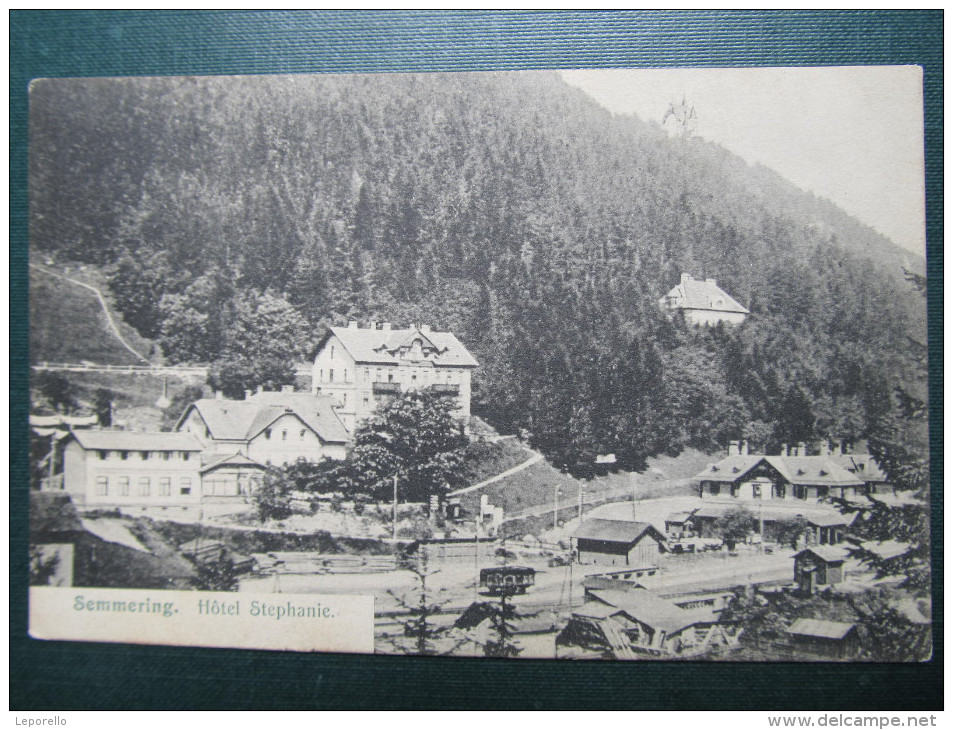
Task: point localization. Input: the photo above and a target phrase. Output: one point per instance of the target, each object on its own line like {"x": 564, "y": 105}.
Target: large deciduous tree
{"x": 414, "y": 438}
{"x": 734, "y": 525}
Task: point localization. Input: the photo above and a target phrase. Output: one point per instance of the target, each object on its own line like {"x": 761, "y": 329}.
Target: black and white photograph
{"x": 570, "y": 365}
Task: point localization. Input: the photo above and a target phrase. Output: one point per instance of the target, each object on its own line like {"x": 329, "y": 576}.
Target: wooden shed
{"x": 819, "y": 566}
{"x": 618, "y": 542}
{"x": 828, "y": 639}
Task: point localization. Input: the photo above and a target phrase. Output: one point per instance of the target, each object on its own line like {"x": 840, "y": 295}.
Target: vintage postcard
{"x": 576, "y": 365}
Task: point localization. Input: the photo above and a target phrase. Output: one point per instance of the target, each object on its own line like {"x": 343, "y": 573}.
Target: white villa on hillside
{"x": 358, "y": 366}
{"x": 703, "y": 303}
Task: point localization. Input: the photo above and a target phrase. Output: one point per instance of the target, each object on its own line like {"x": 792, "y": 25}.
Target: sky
{"x": 853, "y": 135}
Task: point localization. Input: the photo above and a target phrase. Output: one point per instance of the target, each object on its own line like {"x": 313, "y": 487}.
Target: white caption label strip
{"x": 281, "y": 621}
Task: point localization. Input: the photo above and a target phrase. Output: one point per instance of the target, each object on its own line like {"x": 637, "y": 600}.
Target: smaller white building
{"x": 132, "y": 468}
{"x": 702, "y": 302}
{"x": 268, "y": 428}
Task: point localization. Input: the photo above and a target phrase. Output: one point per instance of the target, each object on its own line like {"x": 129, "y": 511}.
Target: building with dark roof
{"x": 702, "y": 302}
{"x": 819, "y": 566}
{"x": 358, "y": 367}
{"x": 633, "y": 624}
{"x": 618, "y": 542}
{"x": 819, "y": 638}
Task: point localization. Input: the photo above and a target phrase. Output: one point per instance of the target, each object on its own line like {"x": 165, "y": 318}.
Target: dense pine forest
{"x": 236, "y": 217}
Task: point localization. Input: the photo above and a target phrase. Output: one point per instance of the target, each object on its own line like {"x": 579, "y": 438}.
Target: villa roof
{"x": 704, "y": 294}
{"x": 235, "y": 460}
{"x": 105, "y": 439}
{"x": 378, "y": 347}
{"x": 242, "y": 420}
{"x": 806, "y": 470}
{"x": 862, "y": 466}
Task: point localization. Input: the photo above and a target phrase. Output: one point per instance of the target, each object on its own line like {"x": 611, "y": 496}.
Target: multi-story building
{"x": 131, "y": 468}
{"x": 359, "y": 366}
{"x": 702, "y": 302}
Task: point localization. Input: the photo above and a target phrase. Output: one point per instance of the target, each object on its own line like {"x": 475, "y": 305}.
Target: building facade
{"x": 618, "y": 542}
{"x": 702, "y": 302}
{"x": 129, "y": 468}
{"x": 359, "y": 367}
{"x": 267, "y": 428}
{"x": 219, "y": 453}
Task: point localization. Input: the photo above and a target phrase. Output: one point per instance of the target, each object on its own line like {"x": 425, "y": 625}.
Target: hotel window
{"x": 166, "y": 455}
{"x": 367, "y": 373}
{"x": 344, "y": 398}
{"x": 102, "y": 486}
{"x": 185, "y": 485}
{"x": 800, "y": 492}
{"x": 165, "y": 486}
{"x": 144, "y": 487}
{"x": 822, "y": 491}
{"x": 123, "y": 455}
{"x": 715, "y": 490}
{"x": 345, "y": 375}
{"x": 123, "y": 486}
{"x": 267, "y": 433}
{"x": 321, "y": 375}
{"x": 390, "y": 377}
{"x": 103, "y": 455}
{"x": 756, "y": 491}
{"x": 780, "y": 491}
{"x": 367, "y": 400}
{"x": 332, "y": 355}
{"x": 331, "y": 376}
{"x": 185, "y": 456}
{"x": 144, "y": 455}
{"x": 284, "y": 435}
{"x": 301, "y": 434}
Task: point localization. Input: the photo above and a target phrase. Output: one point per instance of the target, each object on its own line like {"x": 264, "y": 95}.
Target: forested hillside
{"x": 238, "y": 216}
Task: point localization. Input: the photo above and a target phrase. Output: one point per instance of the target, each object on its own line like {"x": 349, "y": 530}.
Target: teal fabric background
{"x": 60, "y": 675}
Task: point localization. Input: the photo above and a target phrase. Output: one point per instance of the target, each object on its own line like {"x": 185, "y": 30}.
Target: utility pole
{"x": 476, "y": 558}
{"x": 635, "y": 517}
{"x": 394, "y": 526}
